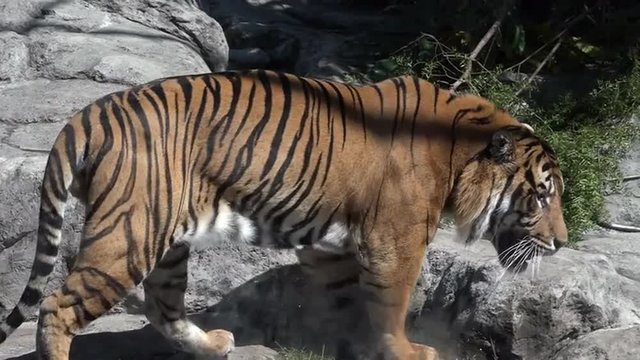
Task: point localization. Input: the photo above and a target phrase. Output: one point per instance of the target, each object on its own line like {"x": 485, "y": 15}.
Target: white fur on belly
{"x": 227, "y": 225}
{"x": 336, "y": 240}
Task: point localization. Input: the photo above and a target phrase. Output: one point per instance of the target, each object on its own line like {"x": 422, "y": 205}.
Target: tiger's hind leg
{"x": 102, "y": 275}
{"x": 164, "y": 290}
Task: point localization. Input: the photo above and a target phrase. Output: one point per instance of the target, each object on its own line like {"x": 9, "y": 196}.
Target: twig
{"x": 474, "y": 54}
{"x": 555, "y": 38}
{"x": 540, "y": 66}
{"x": 630, "y": 178}
{"x": 619, "y": 227}
{"x": 414, "y": 41}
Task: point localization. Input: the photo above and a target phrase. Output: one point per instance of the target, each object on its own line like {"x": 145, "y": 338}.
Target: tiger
{"x": 353, "y": 177}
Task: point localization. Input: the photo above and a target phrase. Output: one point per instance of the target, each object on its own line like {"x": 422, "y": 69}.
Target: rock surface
{"x": 579, "y": 296}
{"x": 326, "y": 39}
{"x": 624, "y": 206}
{"x": 582, "y": 304}
{"x": 122, "y": 337}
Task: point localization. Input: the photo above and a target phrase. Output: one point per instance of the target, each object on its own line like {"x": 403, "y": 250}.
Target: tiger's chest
{"x": 268, "y": 228}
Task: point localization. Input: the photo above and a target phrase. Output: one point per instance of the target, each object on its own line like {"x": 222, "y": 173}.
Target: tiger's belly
{"x": 228, "y": 224}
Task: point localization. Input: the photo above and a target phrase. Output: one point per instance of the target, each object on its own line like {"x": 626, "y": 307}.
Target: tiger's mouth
{"x": 543, "y": 244}
{"x": 517, "y": 249}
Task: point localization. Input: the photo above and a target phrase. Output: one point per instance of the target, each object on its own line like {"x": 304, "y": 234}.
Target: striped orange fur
{"x": 355, "y": 177}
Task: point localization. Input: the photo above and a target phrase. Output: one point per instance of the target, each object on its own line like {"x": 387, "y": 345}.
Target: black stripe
{"x": 41, "y": 268}
{"x": 56, "y": 176}
{"x": 70, "y": 148}
{"x": 343, "y": 116}
{"x": 274, "y": 151}
{"x": 436, "y": 93}
{"x": 454, "y": 124}
{"x": 15, "y": 318}
{"x": 416, "y": 83}
{"x": 106, "y": 146}
{"x": 86, "y": 127}
{"x": 528, "y": 174}
{"x": 396, "y": 117}
{"x": 30, "y": 296}
{"x": 475, "y": 224}
{"x": 356, "y": 95}
{"x": 236, "y": 91}
{"x": 132, "y": 251}
{"x": 244, "y": 156}
{"x": 125, "y": 196}
{"x": 451, "y": 97}
{"x": 308, "y": 150}
{"x": 380, "y": 99}
{"x": 44, "y": 245}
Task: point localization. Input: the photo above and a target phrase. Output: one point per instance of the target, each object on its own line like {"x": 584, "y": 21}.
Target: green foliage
{"x": 589, "y": 132}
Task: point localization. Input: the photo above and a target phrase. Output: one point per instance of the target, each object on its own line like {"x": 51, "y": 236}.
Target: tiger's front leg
{"x": 391, "y": 263}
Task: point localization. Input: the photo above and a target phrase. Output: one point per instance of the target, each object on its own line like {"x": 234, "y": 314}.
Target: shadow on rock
{"x": 283, "y": 308}
{"x": 141, "y": 344}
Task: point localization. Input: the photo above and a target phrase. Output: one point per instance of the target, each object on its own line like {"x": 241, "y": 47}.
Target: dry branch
{"x": 556, "y": 38}
{"x": 474, "y": 54}
{"x": 540, "y": 66}
{"x": 619, "y": 227}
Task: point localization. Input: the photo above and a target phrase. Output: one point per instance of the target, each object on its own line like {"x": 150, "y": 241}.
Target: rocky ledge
{"x": 582, "y": 304}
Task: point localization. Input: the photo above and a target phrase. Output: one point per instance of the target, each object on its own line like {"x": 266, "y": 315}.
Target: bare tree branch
{"x": 474, "y": 54}
{"x": 630, "y": 178}
{"x": 555, "y": 38}
{"x": 540, "y": 66}
{"x": 619, "y": 227}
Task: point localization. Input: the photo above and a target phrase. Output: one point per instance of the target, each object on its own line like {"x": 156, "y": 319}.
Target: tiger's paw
{"x": 423, "y": 352}
{"x": 221, "y": 343}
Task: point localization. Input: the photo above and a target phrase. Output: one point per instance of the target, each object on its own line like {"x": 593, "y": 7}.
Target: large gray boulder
{"x": 329, "y": 39}
{"x": 582, "y": 304}
{"x": 623, "y": 206}
{"x": 579, "y": 296}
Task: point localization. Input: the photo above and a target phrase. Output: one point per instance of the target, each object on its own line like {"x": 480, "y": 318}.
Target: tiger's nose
{"x": 558, "y": 243}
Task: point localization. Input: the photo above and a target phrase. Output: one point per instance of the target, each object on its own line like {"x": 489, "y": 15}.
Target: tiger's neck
{"x": 429, "y": 132}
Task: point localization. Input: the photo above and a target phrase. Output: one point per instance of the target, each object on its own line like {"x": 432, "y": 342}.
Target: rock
{"x": 253, "y": 352}
{"x": 249, "y": 58}
{"x": 49, "y": 100}
{"x": 14, "y": 56}
{"x": 98, "y": 57}
{"x": 610, "y": 344}
{"x": 316, "y": 38}
{"x": 125, "y": 337}
{"x": 109, "y": 41}
{"x": 624, "y": 206}
{"x": 180, "y": 19}
{"x": 20, "y": 178}
{"x": 576, "y": 293}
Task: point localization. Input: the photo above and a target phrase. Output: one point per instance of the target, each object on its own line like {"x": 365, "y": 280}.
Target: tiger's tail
{"x": 58, "y": 177}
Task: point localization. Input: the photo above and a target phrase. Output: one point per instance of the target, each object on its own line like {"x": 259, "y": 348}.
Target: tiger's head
{"x": 511, "y": 191}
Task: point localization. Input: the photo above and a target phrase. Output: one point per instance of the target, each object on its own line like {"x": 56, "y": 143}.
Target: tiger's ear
{"x": 528, "y": 127}
{"x": 502, "y": 147}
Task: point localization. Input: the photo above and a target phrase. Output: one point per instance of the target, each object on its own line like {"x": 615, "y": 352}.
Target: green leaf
{"x": 519, "y": 42}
